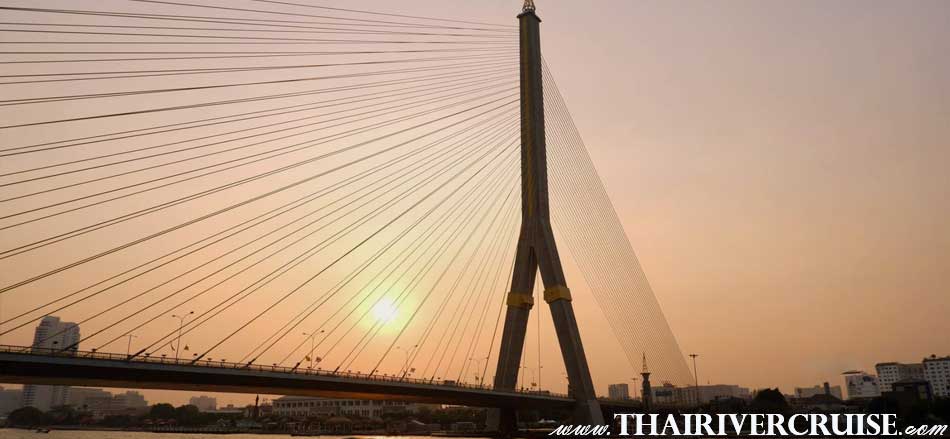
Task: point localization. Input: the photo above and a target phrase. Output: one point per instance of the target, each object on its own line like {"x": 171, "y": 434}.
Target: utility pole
{"x": 695, "y": 377}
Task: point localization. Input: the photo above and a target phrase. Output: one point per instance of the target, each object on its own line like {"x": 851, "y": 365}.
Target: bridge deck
{"x": 28, "y": 365}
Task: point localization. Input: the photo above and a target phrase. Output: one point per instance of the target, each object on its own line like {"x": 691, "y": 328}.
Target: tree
{"x": 769, "y": 401}
{"x": 188, "y": 415}
{"x": 117, "y": 421}
{"x": 162, "y": 411}
{"x": 63, "y": 415}
{"x": 941, "y": 409}
{"x": 26, "y": 417}
{"x": 882, "y": 405}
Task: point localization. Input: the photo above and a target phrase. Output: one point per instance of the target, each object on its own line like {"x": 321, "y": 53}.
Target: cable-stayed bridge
{"x": 279, "y": 197}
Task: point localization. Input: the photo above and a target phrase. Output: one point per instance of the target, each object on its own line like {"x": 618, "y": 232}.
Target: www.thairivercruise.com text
{"x": 759, "y": 424}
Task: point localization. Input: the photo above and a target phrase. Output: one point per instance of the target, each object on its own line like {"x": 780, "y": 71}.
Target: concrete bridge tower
{"x": 536, "y": 249}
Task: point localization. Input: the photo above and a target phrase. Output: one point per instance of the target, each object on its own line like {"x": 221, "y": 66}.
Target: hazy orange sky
{"x": 779, "y": 167}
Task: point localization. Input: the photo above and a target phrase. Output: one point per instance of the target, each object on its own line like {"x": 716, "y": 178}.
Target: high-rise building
{"x": 79, "y": 396}
{"x": 130, "y": 400}
{"x": 891, "y": 372}
{"x": 618, "y": 391}
{"x": 204, "y": 403}
{"x": 937, "y": 373}
{"x": 860, "y": 384}
{"x": 51, "y": 334}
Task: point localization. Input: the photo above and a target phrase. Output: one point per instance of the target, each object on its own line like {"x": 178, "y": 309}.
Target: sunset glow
{"x": 384, "y": 311}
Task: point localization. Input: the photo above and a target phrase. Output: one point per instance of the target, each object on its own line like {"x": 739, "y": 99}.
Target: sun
{"x": 384, "y": 311}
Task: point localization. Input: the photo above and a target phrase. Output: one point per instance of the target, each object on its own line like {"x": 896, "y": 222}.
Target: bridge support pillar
{"x": 537, "y": 252}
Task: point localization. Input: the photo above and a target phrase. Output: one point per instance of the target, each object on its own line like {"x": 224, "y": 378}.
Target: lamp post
{"x": 539, "y": 377}
{"x": 311, "y": 336}
{"x": 128, "y": 348}
{"x": 181, "y": 324}
{"x": 533, "y": 382}
{"x": 479, "y": 363}
{"x": 695, "y": 377}
{"x": 405, "y": 365}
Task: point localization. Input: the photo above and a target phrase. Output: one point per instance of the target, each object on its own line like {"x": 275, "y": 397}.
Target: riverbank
{"x": 85, "y": 433}
{"x": 248, "y": 432}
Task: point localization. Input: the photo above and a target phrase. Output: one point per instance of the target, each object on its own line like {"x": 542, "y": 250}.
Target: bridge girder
{"x": 26, "y": 368}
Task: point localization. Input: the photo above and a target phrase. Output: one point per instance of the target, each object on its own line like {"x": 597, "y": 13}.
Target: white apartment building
{"x": 51, "y": 333}
{"x": 937, "y": 373}
{"x": 204, "y": 403}
{"x": 891, "y": 372}
{"x": 303, "y": 406}
{"x": 860, "y": 384}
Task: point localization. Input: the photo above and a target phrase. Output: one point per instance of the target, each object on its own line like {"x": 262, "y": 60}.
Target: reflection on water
{"x": 66, "y": 434}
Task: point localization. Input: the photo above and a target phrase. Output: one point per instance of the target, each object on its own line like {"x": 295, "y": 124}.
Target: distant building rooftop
{"x": 911, "y": 381}
{"x": 819, "y": 399}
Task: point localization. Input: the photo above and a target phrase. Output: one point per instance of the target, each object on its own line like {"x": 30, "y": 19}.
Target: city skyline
{"x": 883, "y": 374}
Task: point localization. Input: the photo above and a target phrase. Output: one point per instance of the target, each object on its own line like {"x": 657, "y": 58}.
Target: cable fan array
{"x": 267, "y": 170}
{"x": 299, "y": 185}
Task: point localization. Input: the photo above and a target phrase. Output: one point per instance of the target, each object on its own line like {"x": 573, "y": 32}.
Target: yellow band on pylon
{"x": 520, "y": 300}
{"x": 557, "y": 292}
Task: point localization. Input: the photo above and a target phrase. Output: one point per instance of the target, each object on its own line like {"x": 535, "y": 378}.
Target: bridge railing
{"x": 223, "y": 364}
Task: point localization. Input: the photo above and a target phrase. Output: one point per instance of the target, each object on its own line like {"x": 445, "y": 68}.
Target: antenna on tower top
{"x": 528, "y": 6}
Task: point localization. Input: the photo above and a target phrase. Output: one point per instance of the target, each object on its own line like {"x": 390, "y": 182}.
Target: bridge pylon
{"x": 537, "y": 251}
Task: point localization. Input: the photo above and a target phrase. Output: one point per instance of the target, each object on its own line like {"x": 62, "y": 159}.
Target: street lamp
{"x": 539, "y": 377}
{"x": 408, "y": 352}
{"x": 128, "y": 348}
{"x": 181, "y": 323}
{"x": 533, "y": 377}
{"x": 479, "y": 362}
{"x": 695, "y": 377}
{"x": 311, "y": 336}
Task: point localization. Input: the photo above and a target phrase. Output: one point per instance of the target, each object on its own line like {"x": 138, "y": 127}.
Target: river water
{"x": 66, "y": 434}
